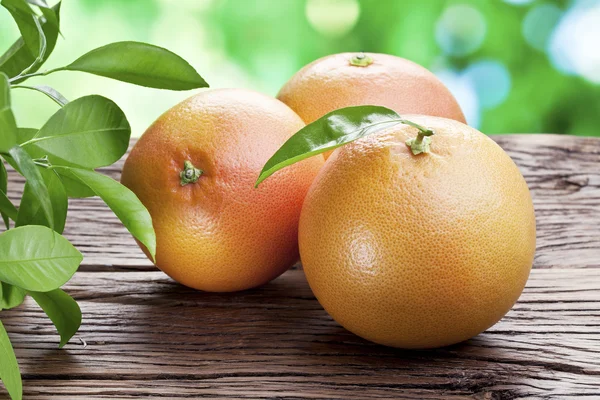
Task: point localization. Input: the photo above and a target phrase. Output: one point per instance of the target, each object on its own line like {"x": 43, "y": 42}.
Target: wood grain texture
{"x": 147, "y": 337}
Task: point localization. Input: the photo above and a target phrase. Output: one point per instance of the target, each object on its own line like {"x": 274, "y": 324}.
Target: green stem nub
{"x": 421, "y": 143}
{"x": 361, "y": 60}
{"x": 189, "y": 174}
{"x": 42, "y": 162}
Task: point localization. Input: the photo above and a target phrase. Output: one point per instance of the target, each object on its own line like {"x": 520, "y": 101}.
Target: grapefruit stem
{"x": 420, "y": 144}
{"x": 361, "y": 60}
{"x": 189, "y": 174}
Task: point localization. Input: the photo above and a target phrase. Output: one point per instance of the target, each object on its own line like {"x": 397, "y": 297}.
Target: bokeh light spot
{"x": 491, "y": 80}
{"x": 574, "y": 43}
{"x": 464, "y": 92}
{"x": 518, "y": 2}
{"x": 539, "y": 23}
{"x": 333, "y": 18}
{"x": 460, "y": 30}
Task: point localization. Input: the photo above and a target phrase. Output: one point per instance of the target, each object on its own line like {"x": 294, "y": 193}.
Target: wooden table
{"x": 145, "y": 336}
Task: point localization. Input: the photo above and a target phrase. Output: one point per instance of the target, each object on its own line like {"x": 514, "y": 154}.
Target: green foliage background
{"x": 259, "y": 44}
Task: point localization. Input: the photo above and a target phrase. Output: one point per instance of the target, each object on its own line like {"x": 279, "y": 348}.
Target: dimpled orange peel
{"x": 418, "y": 242}
{"x": 194, "y": 169}
{"x": 354, "y": 79}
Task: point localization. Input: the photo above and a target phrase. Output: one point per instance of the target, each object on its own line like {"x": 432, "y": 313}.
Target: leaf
{"x": 12, "y": 296}
{"x": 51, "y": 16}
{"x": 122, "y": 201}
{"x": 8, "y": 125}
{"x": 48, "y": 91}
{"x": 3, "y": 177}
{"x": 29, "y": 26}
{"x": 4, "y": 191}
{"x": 141, "y": 64}
{"x": 7, "y": 208}
{"x": 39, "y": 3}
{"x": 9, "y": 368}
{"x": 35, "y": 181}
{"x": 62, "y": 310}
{"x": 18, "y": 57}
{"x": 75, "y": 189}
{"x": 30, "y": 212}
{"x": 89, "y": 132}
{"x": 329, "y": 132}
{"x": 58, "y": 198}
{"x": 24, "y": 134}
{"x": 36, "y": 258}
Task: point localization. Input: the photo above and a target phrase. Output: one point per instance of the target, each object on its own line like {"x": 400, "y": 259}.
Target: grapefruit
{"x": 418, "y": 251}
{"x": 194, "y": 169}
{"x": 355, "y": 79}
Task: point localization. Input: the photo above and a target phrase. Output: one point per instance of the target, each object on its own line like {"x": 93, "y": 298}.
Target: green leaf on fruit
{"x": 329, "y": 132}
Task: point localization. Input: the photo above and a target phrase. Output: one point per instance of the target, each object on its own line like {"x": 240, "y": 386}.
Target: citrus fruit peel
{"x": 465, "y": 203}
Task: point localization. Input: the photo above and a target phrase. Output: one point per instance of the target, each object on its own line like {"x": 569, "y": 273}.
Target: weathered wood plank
{"x": 149, "y": 337}
{"x": 146, "y": 335}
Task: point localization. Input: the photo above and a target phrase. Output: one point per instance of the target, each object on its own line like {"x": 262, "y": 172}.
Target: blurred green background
{"x": 515, "y": 66}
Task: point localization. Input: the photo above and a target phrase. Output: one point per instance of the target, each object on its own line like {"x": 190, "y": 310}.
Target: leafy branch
{"x": 58, "y": 161}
